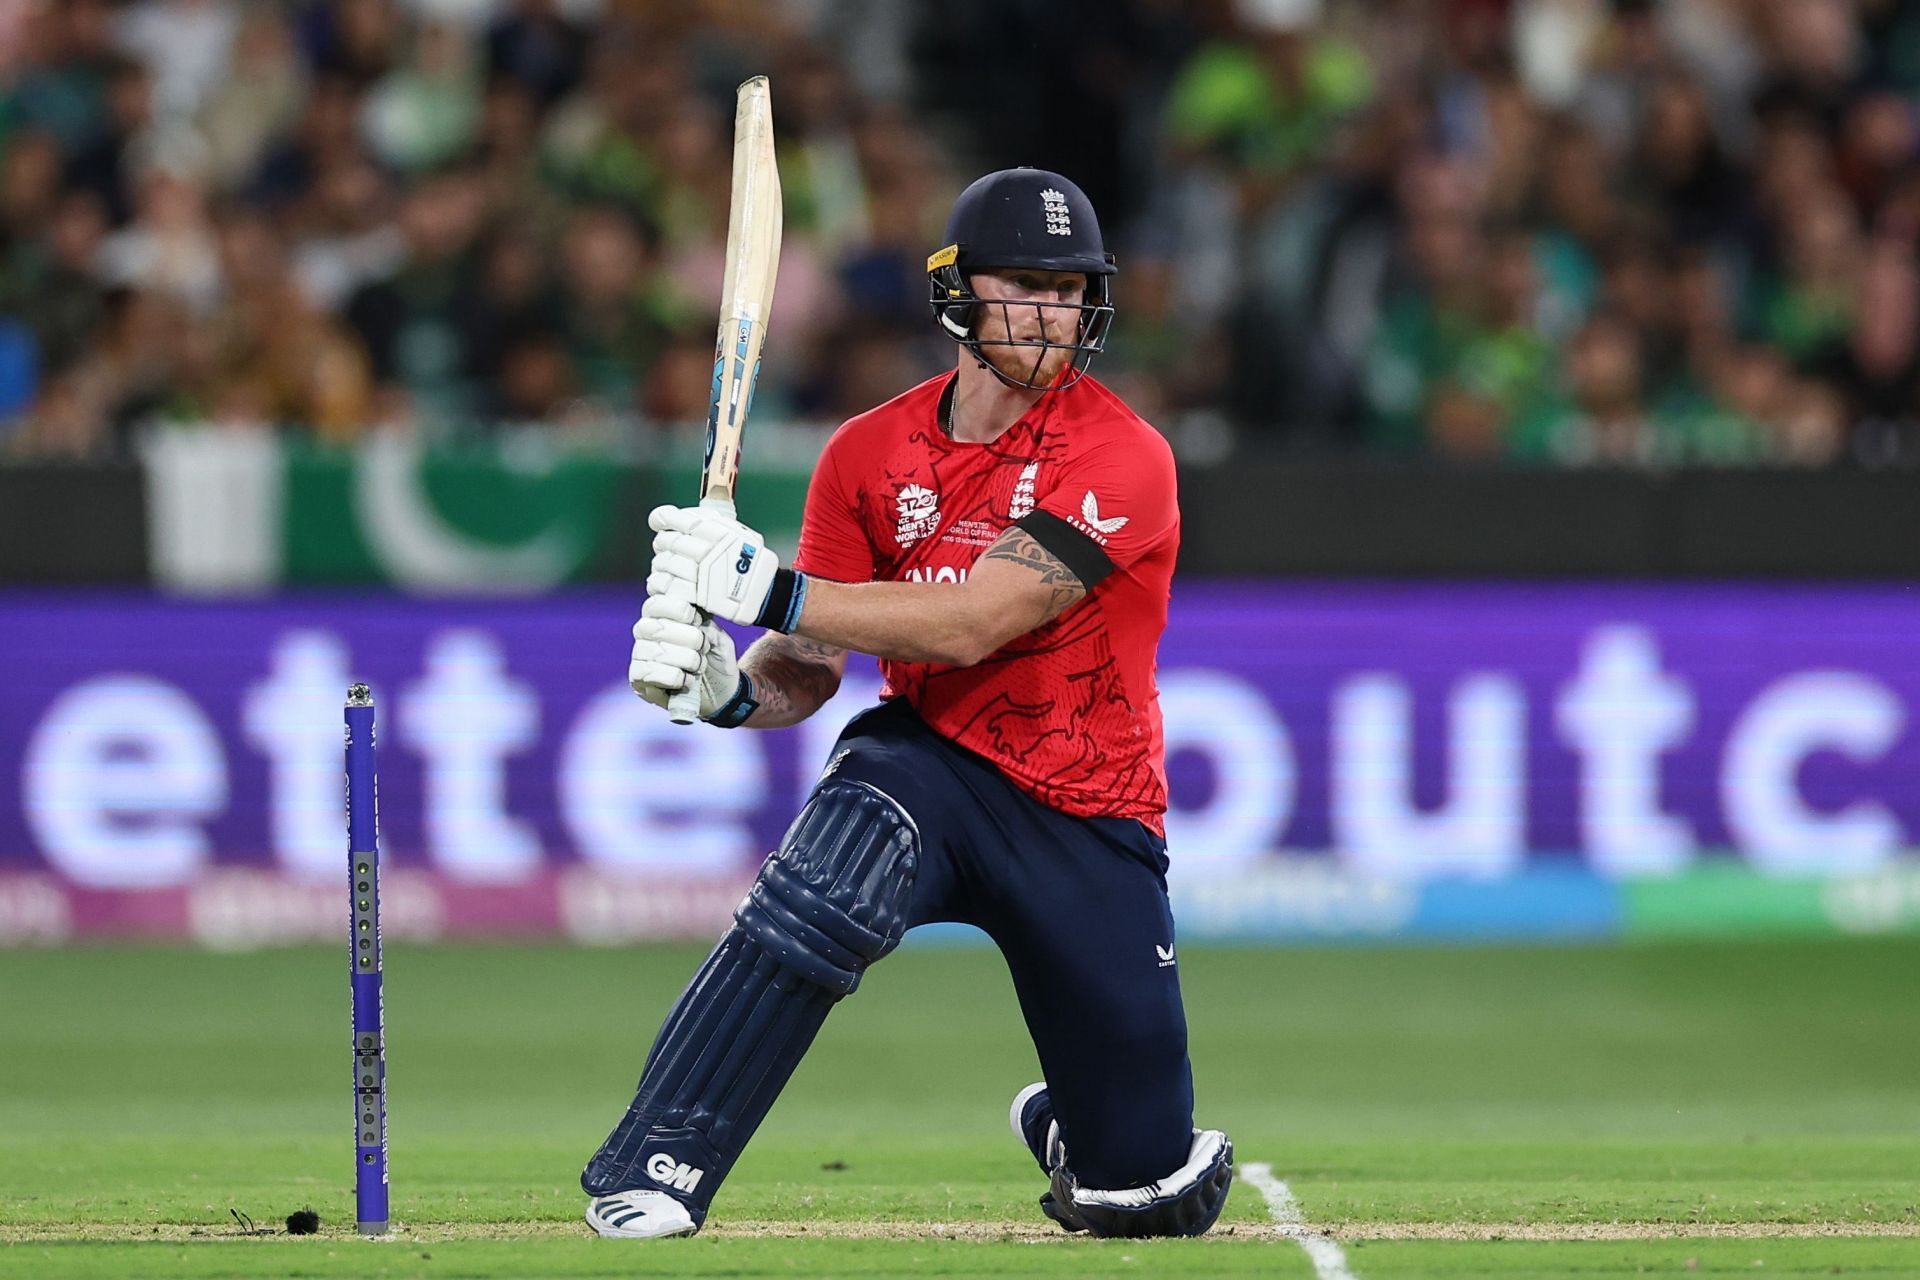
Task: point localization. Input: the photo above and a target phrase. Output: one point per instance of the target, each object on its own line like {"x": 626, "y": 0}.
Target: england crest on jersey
{"x": 1022, "y": 502}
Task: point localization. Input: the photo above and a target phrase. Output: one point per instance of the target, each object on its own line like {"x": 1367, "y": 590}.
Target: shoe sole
{"x": 602, "y": 1227}
{"x": 618, "y": 1233}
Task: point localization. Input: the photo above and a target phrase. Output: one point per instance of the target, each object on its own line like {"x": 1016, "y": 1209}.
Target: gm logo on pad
{"x": 668, "y": 1172}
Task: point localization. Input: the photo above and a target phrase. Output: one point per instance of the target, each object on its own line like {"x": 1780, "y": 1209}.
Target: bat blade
{"x": 754, "y": 221}
{"x": 753, "y": 257}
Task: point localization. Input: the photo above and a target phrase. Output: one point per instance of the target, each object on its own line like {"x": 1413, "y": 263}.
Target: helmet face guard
{"x": 958, "y": 309}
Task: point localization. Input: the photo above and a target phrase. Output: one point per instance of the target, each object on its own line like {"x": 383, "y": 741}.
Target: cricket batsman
{"x": 1002, "y": 539}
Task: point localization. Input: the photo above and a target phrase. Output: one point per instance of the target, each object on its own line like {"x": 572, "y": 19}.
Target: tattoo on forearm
{"x": 1017, "y": 546}
{"x": 792, "y": 675}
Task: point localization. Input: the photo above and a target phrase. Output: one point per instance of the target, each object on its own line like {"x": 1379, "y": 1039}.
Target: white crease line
{"x": 1329, "y": 1260}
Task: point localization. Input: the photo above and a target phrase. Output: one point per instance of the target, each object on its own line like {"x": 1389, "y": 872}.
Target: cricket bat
{"x": 753, "y": 258}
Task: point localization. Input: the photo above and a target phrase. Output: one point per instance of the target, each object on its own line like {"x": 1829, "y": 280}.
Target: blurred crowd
{"x": 1568, "y": 232}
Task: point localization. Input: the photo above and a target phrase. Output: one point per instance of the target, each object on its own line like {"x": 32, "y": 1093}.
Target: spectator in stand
{"x": 1875, "y": 365}
{"x": 29, "y": 188}
{"x": 1431, "y": 317}
{"x": 187, "y": 44}
{"x": 507, "y": 151}
{"x": 326, "y": 134}
{"x": 1806, "y": 303}
{"x": 1599, "y": 416}
{"x": 354, "y": 40}
{"x": 676, "y": 386}
{"x": 514, "y": 301}
{"x": 67, "y": 67}
{"x": 344, "y": 231}
{"x": 104, "y": 163}
{"x": 410, "y": 322}
{"x": 425, "y": 112}
{"x": 536, "y": 46}
{"x": 615, "y": 311}
{"x": 277, "y": 355}
{"x": 598, "y": 142}
{"x": 169, "y": 247}
{"x": 257, "y": 102}
{"x": 50, "y": 282}
{"x": 62, "y": 423}
{"x": 536, "y": 382}
{"x": 1268, "y": 99}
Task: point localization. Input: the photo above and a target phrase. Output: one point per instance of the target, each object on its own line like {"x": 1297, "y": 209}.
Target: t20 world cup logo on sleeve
{"x": 919, "y": 514}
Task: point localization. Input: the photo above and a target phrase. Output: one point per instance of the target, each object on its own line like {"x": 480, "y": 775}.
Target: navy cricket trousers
{"x": 1078, "y": 907}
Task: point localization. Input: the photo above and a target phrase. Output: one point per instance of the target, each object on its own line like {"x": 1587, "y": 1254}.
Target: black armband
{"x": 738, "y": 709}
{"x": 1069, "y": 546}
{"x": 784, "y": 602}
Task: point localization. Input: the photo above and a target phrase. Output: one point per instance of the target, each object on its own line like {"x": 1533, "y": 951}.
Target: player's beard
{"x": 1018, "y": 362}
{"x": 1023, "y": 359}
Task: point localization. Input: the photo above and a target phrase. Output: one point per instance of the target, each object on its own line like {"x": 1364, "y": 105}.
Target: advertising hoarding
{"x": 1377, "y": 759}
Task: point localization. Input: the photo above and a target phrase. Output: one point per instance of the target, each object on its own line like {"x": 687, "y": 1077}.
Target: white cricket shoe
{"x": 1031, "y": 1119}
{"x": 640, "y": 1215}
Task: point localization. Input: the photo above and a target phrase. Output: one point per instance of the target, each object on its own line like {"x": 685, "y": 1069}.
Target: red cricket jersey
{"x": 1070, "y": 711}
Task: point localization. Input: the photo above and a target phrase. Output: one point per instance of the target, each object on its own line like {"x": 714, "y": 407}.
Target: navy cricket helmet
{"x": 1023, "y": 218}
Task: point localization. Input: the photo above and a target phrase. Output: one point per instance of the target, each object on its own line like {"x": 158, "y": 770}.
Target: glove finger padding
{"x": 670, "y": 586}
{"x": 670, "y": 635}
{"x": 673, "y": 565}
{"x": 690, "y": 545}
{"x": 678, "y": 519}
{"x": 672, "y": 608}
{"x": 665, "y": 657}
{"x": 658, "y": 675}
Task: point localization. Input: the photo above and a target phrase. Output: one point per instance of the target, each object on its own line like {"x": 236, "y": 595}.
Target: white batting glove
{"x": 674, "y": 643}
{"x": 722, "y": 566}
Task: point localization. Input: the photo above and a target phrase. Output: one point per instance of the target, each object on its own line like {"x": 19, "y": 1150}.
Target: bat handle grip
{"x": 684, "y": 706}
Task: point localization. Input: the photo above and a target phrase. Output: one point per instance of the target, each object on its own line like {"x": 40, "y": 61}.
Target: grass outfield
{"x": 1744, "y": 1109}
